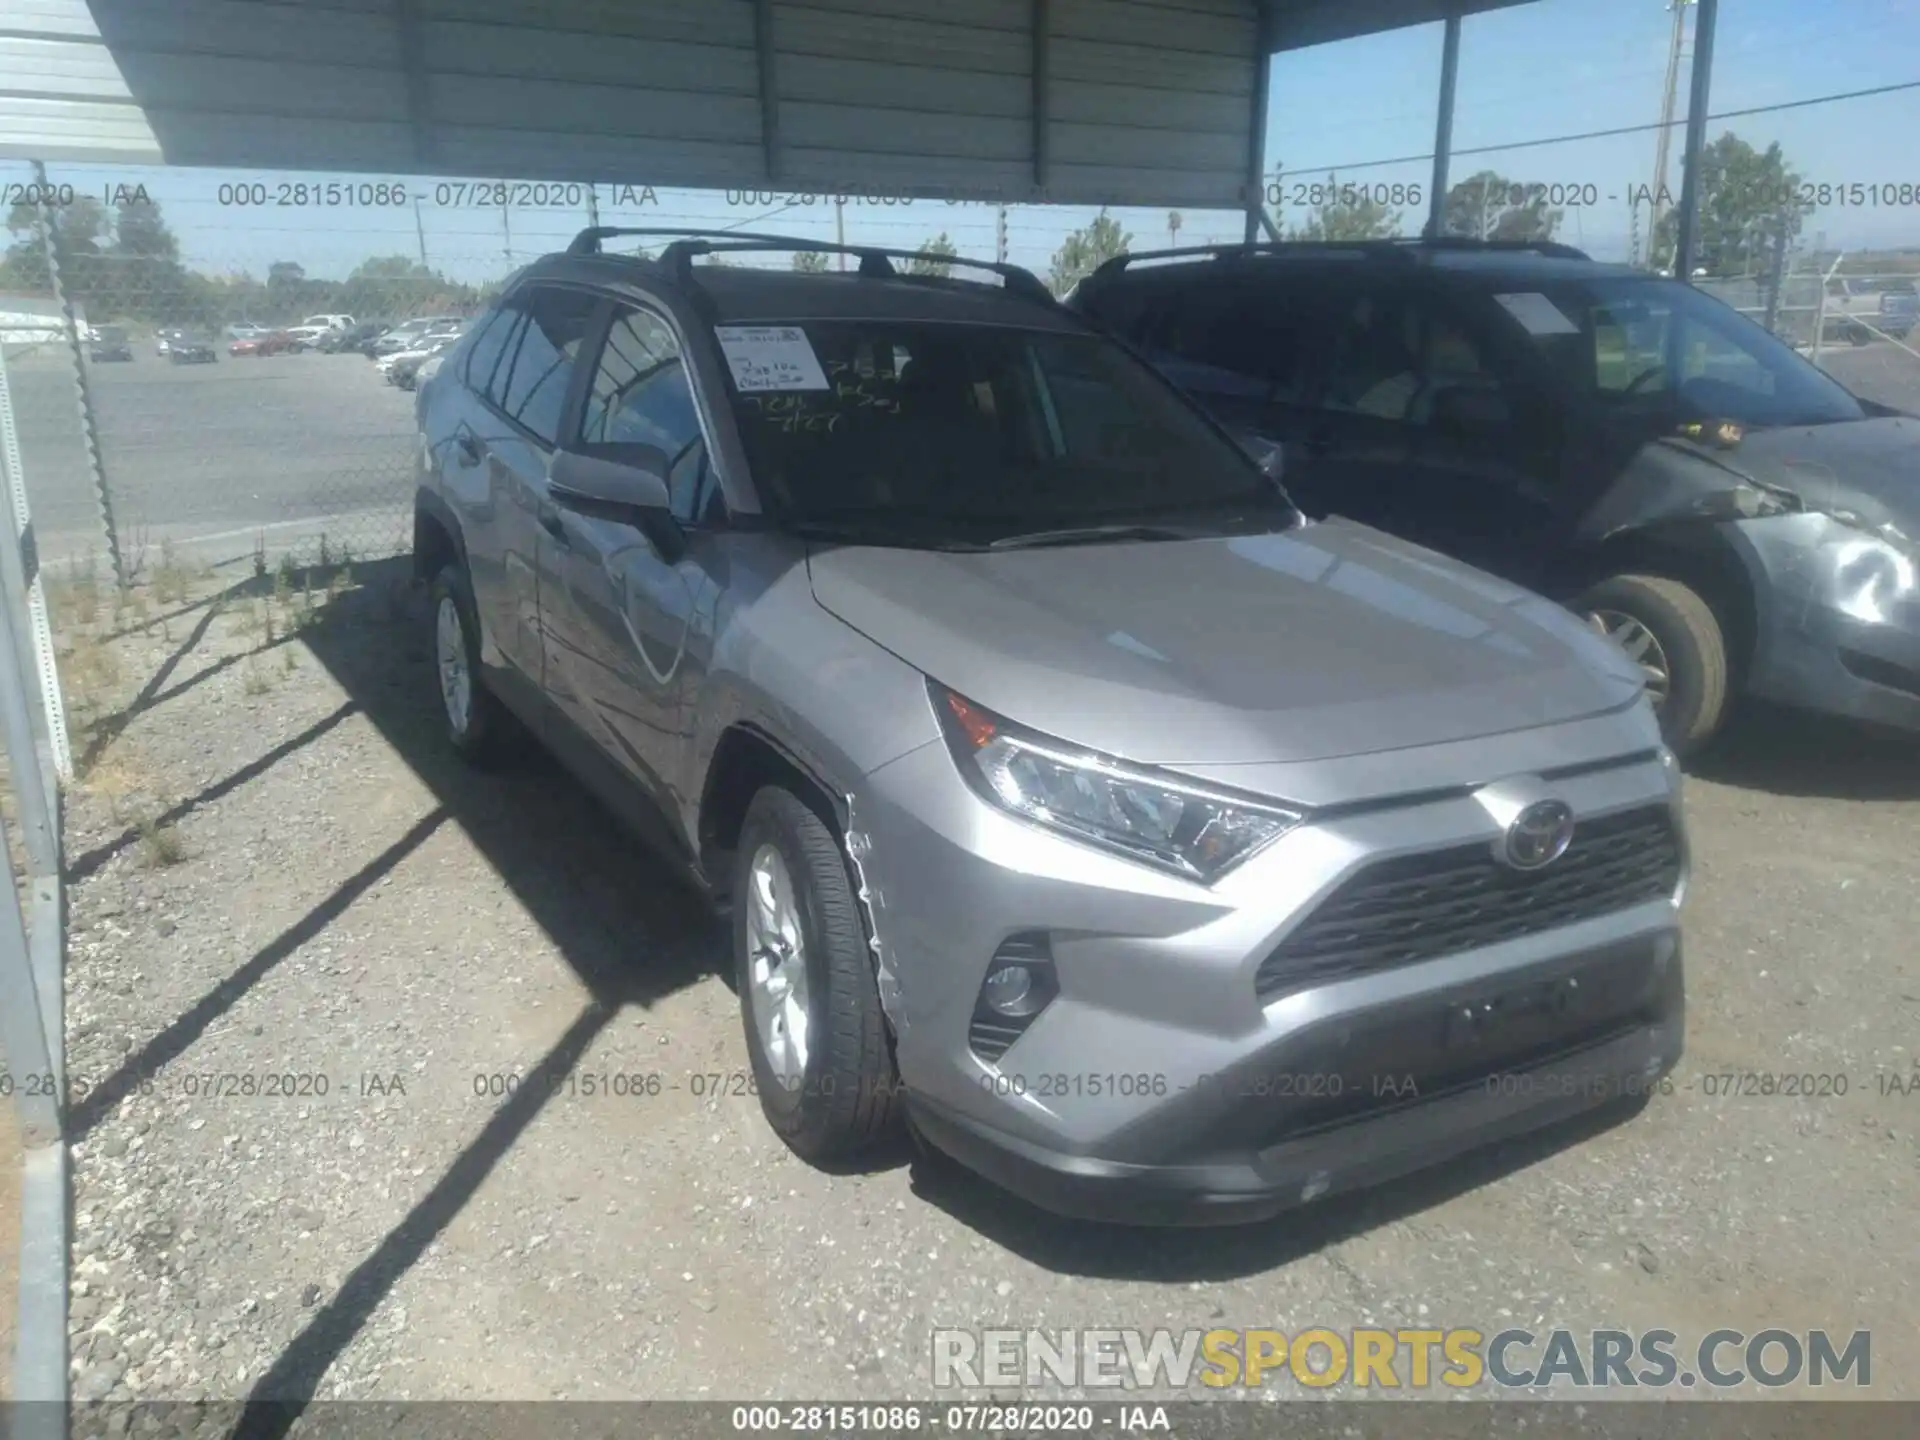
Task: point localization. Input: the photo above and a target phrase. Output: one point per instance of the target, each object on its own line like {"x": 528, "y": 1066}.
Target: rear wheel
{"x": 1671, "y": 633}
{"x": 478, "y": 726}
{"x": 817, "y": 1038}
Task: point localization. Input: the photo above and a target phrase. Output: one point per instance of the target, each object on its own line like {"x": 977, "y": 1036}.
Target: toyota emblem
{"x": 1539, "y": 835}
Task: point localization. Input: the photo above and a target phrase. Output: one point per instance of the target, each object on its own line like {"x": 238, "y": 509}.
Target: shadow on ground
{"x": 1790, "y": 752}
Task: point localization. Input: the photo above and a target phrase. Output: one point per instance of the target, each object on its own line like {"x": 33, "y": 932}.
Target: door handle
{"x": 471, "y": 452}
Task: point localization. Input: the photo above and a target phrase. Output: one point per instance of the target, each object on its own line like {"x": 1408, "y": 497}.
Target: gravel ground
{"x": 308, "y": 947}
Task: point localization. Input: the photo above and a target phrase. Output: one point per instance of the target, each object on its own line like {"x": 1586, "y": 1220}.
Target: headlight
{"x": 1145, "y": 816}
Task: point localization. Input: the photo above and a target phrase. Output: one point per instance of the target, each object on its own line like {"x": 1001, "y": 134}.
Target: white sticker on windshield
{"x": 1539, "y": 314}
{"x": 770, "y": 357}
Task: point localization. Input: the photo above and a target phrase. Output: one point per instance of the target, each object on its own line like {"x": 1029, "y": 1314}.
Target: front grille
{"x": 1417, "y": 907}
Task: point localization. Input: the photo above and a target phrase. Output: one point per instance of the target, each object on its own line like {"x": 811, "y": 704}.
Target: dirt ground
{"x": 398, "y": 1081}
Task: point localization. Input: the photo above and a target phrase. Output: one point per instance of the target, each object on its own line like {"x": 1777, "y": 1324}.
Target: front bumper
{"x": 1839, "y": 619}
{"x": 1161, "y": 1086}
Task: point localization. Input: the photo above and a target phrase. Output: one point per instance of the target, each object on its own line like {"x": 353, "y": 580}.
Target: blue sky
{"x": 1533, "y": 72}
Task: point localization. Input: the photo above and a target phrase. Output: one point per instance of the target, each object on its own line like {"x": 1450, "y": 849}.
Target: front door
{"x": 627, "y": 608}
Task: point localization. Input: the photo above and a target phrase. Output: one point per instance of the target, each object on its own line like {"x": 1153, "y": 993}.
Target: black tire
{"x": 1858, "y": 334}
{"x": 848, "y": 1099}
{"x": 1689, "y": 634}
{"x": 491, "y": 734}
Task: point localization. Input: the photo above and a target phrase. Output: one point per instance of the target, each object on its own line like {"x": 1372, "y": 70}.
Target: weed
{"x": 91, "y": 671}
{"x": 326, "y": 552}
{"x": 260, "y": 555}
{"x": 257, "y": 681}
{"x": 171, "y": 579}
{"x": 75, "y": 596}
{"x": 160, "y": 845}
{"x": 289, "y": 660}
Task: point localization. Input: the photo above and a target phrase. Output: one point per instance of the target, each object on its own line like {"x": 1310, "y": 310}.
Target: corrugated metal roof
{"x": 1099, "y": 101}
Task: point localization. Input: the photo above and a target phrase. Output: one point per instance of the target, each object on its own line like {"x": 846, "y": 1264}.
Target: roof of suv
{"x": 752, "y": 293}
{"x": 1494, "y": 262}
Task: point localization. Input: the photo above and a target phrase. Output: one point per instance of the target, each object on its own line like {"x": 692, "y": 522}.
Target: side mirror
{"x": 625, "y": 483}
{"x": 629, "y": 478}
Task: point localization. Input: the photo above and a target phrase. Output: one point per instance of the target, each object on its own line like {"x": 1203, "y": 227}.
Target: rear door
{"x": 1428, "y": 430}
{"x": 1242, "y": 345}
{"x": 507, "y": 447}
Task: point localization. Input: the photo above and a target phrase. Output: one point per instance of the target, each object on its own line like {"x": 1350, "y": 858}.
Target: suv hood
{"x": 1329, "y": 640}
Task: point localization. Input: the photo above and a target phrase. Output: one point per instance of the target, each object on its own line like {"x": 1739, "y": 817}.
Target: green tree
{"x": 1085, "y": 250}
{"x": 810, "y": 262}
{"x": 1347, "y": 214}
{"x": 1746, "y": 196}
{"x": 1488, "y": 206}
{"x": 85, "y": 231}
{"x": 928, "y": 259}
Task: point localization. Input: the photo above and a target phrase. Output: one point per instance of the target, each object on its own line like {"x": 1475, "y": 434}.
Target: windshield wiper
{"x": 1093, "y": 535}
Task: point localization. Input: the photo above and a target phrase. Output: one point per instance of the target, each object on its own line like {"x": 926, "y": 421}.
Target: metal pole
{"x": 1777, "y": 273}
{"x": 1703, "y": 22}
{"x": 1257, "y": 132}
{"x": 1443, "y": 125}
{"x": 50, "y": 243}
{"x": 1664, "y": 142}
{"x": 420, "y": 230}
{"x": 840, "y": 228}
{"x": 25, "y": 577}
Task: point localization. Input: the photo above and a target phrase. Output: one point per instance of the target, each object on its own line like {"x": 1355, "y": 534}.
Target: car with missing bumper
{"x": 1730, "y": 515}
{"x": 1156, "y": 851}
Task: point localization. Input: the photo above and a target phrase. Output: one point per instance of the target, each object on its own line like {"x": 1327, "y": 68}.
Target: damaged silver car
{"x": 1150, "y": 848}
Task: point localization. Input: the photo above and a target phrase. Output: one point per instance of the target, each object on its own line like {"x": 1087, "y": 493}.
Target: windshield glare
{"x": 1666, "y": 350}
{"x": 974, "y": 433}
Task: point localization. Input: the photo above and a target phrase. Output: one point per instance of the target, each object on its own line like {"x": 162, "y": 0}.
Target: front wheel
{"x": 1672, "y": 634}
{"x": 817, "y": 1038}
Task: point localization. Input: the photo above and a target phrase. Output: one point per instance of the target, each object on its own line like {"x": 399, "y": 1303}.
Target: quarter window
{"x": 534, "y": 388}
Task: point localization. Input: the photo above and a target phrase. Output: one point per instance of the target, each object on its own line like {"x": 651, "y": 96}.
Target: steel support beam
{"x": 1687, "y": 229}
{"x": 413, "y": 64}
{"x": 1257, "y": 137}
{"x": 1042, "y": 97}
{"x": 1443, "y": 124}
{"x": 769, "y": 88}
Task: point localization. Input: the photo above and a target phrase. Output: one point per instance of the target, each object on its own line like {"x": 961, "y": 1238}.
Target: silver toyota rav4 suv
{"x": 1155, "y": 852}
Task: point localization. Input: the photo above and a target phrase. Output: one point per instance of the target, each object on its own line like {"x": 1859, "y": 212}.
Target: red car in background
{"x": 274, "y": 342}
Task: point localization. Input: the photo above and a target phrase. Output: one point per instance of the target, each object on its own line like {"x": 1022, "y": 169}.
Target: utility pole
{"x": 1173, "y": 229}
{"x": 420, "y": 229}
{"x": 1000, "y": 236}
{"x": 1668, "y": 100}
{"x": 506, "y": 225}
{"x": 840, "y": 228}
{"x": 593, "y": 206}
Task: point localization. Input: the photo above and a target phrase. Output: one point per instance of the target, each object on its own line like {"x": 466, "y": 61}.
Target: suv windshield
{"x": 1662, "y": 349}
{"x": 923, "y": 432}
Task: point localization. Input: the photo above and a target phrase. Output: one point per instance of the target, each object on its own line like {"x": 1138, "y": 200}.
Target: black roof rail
{"x": 1400, "y": 246}
{"x": 875, "y": 260}
{"x": 1233, "y": 250}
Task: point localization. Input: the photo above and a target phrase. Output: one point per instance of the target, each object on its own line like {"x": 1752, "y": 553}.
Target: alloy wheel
{"x": 777, "y": 967}
{"x": 1641, "y": 646}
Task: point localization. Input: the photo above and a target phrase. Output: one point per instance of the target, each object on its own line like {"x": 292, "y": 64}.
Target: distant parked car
{"x": 353, "y": 337}
{"x": 163, "y": 339}
{"x": 246, "y": 330}
{"x": 404, "y": 370}
{"x": 408, "y": 333}
{"x": 109, "y": 342}
{"x": 273, "y": 342}
{"x": 191, "y": 350}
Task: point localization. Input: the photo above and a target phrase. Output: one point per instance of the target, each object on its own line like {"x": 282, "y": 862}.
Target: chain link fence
{"x": 1860, "y": 323}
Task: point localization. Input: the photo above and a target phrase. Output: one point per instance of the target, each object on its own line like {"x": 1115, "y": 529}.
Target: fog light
{"x": 1018, "y": 985}
{"x": 1009, "y": 989}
